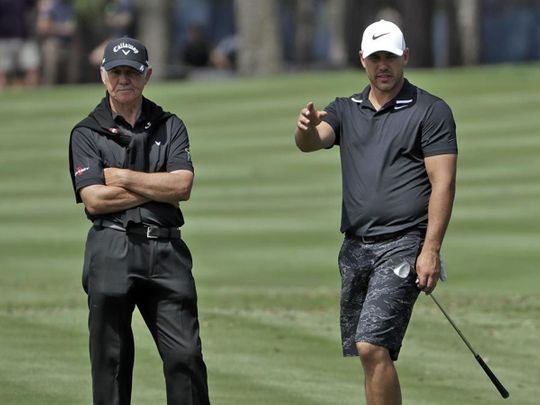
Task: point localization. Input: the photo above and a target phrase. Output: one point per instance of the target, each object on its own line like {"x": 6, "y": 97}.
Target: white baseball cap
{"x": 382, "y": 36}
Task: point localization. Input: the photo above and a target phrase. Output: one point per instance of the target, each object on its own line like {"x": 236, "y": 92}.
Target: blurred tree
{"x": 88, "y": 7}
{"x": 305, "y": 31}
{"x": 89, "y": 26}
{"x": 259, "y": 44}
{"x": 337, "y": 53}
{"x": 418, "y": 30}
{"x": 452, "y": 43}
{"x": 468, "y": 29}
{"x": 462, "y": 33}
{"x": 153, "y": 30}
{"x": 358, "y": 15}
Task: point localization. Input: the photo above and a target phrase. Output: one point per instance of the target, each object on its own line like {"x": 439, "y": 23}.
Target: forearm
{"x": 307, "y": 140}
{"x": 163, "y": 187}
{"x": 439, "y": 212}
{"x": 100, "y": 199}
{"x": 428, "y": 263}
{"x": 314, "y": 138}
{"x": 441, "y": 171}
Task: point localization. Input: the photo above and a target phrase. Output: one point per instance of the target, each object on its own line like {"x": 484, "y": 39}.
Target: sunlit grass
{"x": 262, "y": 225}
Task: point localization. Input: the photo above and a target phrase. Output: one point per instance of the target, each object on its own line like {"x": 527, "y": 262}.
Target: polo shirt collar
{"x": 405, "y": 98}
{"x": 117, "y": 118}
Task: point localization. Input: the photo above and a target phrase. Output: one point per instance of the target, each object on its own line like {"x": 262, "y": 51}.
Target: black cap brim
{"x": 125, "y": 62}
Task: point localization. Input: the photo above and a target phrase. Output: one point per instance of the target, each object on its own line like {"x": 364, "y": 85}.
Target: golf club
{"x": 504, "y": 393}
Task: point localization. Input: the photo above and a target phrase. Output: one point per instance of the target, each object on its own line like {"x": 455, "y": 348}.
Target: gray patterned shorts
{"x": 378, "y": 291}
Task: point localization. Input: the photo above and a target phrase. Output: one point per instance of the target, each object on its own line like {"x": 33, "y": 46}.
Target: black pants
{"x": 123, "y": 271}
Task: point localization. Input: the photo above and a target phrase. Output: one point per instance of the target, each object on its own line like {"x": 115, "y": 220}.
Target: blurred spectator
{"x": 120, "y": 18}
{"x": 224, "y": 55}
{"x": 196, "y": 51}
{"x": 56, "y": 29}
{"x": 120, "y": 21}
{"x": 19, "y": 53}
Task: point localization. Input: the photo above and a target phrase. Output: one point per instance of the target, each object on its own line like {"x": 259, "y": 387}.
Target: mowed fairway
{"x": 262, "y": 225}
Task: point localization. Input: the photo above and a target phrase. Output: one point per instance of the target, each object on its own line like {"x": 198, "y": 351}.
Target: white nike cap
{"x": 382, "y": 36}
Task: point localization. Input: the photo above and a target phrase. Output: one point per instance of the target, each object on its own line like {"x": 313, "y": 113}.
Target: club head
{"x": 405, "y": 268}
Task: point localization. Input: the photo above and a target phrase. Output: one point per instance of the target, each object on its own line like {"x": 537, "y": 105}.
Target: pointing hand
{"x": 309, "y": 117}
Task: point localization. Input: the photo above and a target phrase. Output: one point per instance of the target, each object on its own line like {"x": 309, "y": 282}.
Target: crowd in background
{"x": 40, "y": 45}
{"x": 35, "y": 41}
{"x": 49, "y": 42}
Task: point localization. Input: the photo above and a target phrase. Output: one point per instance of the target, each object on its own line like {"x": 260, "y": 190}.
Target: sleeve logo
{"x": 79, "y": 171}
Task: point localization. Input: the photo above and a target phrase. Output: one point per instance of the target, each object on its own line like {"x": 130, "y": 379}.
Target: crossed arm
{"x": 126, "y": 189}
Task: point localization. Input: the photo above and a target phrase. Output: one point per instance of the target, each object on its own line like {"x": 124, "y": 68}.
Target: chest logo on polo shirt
{"x": 79, "y": 171}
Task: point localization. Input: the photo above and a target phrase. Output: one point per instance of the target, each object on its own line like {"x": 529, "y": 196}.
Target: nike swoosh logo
{"x": 402, "y": 104}
{"x": 158, "y": 143}
{"x": 374, "y": 37}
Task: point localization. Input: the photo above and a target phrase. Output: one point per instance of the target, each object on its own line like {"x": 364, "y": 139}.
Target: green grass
{"x": 263, "y": 228}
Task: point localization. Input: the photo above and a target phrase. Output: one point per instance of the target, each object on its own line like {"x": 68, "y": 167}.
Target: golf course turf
{"x": 262, "y": 225}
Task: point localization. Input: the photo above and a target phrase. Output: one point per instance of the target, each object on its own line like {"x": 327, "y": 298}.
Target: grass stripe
{"x": 262, "y": 225}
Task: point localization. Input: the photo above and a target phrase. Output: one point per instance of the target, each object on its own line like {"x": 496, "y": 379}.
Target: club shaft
{"x": 453, "y": 325}
{"x": 504, "y": 393}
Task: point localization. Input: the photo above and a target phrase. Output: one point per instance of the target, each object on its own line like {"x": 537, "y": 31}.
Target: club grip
{"x": 492, "y": 377}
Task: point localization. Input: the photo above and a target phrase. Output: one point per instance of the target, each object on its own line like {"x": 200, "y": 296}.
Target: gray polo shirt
{"x": 385, "y": 184}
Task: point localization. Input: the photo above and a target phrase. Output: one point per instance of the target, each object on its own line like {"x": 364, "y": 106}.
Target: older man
{"x": 130, "y": 166}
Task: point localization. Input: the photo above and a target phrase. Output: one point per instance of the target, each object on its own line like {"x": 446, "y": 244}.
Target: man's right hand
{"x": 309, "y": 117}
{"x": 312, "y": 133}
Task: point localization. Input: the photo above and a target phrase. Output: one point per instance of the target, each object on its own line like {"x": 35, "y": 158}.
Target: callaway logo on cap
{"x": 125, "y": 52}
{"x": 383, "y": 36}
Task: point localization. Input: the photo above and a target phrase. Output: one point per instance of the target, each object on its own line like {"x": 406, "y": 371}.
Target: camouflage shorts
{"x": 376, "y": 302}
